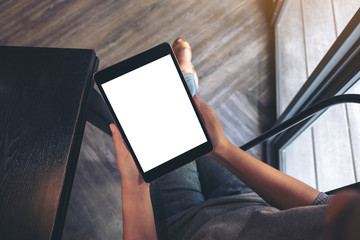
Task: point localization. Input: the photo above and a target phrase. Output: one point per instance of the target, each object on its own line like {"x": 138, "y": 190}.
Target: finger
{"x": 117, "y": 138}
{"x": 197, "y": 100}
{"x": 203, "y": 108}
{"x": 199, "y": 104}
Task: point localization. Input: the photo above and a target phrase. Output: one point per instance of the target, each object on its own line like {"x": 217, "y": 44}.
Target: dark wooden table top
{"x": 43, "y": 96}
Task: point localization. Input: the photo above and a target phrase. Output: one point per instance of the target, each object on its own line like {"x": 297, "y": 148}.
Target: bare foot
{"x": 183, "y": 54}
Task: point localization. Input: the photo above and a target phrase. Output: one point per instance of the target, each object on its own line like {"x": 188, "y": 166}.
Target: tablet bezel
{"x": 131, "y": 64}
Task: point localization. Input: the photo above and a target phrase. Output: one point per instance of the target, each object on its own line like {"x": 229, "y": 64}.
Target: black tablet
{"x": 154, "y": 110}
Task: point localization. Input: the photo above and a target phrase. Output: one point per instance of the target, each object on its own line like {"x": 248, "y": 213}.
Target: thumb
{"x": 197, "y": 101}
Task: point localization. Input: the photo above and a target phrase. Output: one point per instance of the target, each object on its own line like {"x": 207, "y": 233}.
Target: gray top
{"x": 248, "y": 216}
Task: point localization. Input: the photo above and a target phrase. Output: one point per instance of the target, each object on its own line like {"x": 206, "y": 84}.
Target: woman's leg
{"x": 216, "y": 181}
{"x": 173, "y": 193}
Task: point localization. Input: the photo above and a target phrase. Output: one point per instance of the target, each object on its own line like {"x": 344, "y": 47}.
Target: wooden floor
{"x": 232, "y": 52}
{"x": 325, "y": 156}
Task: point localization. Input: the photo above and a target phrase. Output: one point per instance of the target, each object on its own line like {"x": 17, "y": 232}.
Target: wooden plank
{"x": 331, "y": 140}
{"x": 344, "y": 10}
{"x": 332, "y": 150}
{"x": 236, "y": 115}
{"x": 319, "y": 30}
{"x": 292, "y": 55}
{"x": 300, "y": 159}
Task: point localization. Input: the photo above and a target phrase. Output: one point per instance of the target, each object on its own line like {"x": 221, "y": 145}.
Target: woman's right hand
{"x": 213, "y": 127}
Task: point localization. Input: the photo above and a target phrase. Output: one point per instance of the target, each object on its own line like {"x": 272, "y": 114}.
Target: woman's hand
{"x": 275, "y": 187}
{"x": 126, "y": 164}
{"x": 138, "y": 217}
{"x": 213, "y": 127}
{"x": 128, "y": 170}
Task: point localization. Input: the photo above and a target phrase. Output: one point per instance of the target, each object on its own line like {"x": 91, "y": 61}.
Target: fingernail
{"x": 111, "y": 128}
{"x": 197, "y": 99}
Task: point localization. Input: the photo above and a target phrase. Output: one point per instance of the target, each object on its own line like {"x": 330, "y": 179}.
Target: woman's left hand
{"x": 128, "y": 170}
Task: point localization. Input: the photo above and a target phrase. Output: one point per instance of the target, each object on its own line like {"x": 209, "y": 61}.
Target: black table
{"x": 43, "y": 98}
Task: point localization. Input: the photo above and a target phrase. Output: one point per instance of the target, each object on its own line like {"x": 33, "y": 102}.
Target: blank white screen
{"x": 155, "y": 113}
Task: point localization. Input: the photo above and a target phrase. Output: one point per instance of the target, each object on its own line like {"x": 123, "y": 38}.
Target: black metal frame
{"x": 301, "y": 117}
{"x": 335, "y": 74}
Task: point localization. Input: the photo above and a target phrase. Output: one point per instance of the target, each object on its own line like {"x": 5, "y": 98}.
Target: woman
{"x": 206, "y": 199}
